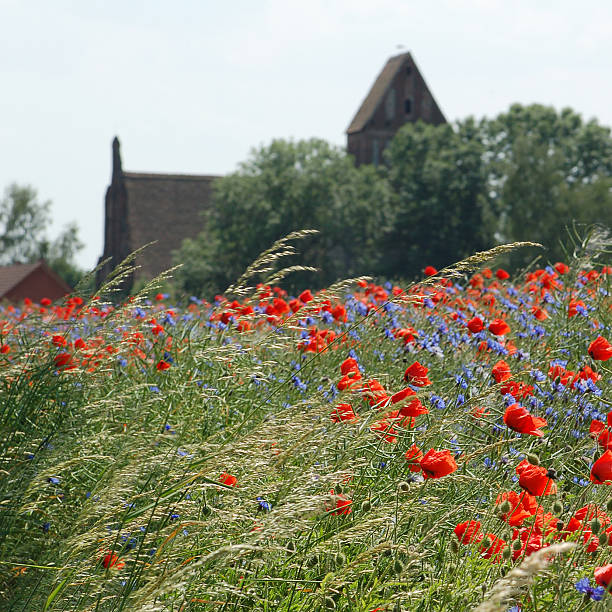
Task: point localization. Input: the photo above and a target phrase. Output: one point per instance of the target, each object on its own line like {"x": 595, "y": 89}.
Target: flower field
{"x": 441, "y": 446}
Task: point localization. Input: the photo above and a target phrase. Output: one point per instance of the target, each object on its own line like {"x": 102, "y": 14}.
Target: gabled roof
{"x": 377, "y": 92}
{"x": 11, "y": 276}
{"x": 379, "y": 89}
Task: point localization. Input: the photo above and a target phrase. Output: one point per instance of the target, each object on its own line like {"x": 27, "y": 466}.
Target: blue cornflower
{"x": 438, "y": 402}
{"x": 595, "y": 593}
{"x": 53, "y": 480}
{"x": 327, "y": 317}
{"x": 264, "y": 505}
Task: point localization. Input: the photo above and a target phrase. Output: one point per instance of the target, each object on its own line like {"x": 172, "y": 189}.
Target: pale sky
{"x": 191, "y": 86}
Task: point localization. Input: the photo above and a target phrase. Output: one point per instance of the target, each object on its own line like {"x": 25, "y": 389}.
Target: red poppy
{"x": 541, "y": 314}
{"x": 572, "y": 309}
{"x": 343, "y": 412}
{"x": 5, "y": 348}
{"x": 520, "y": 507}
{"x": 603, "y": 575}
{"x": 349, "y": 365}
{"x": 386, "y": 430}
{"x": 112, "y": 560}
{"x": 59, "y": 340}
{"x": 519, "y": 419}
{"x": 416, "y": 375}
{"x": 45, "y": 302}
{"x": 475, "y": 325}
{"x": 349, "y": 380}
{"x": 343, "y": 504}
{"x": 436, "y": 464}
{"x": 601, "y": 472}
{"x": 561, "y": 268}
{"x": 501, "y": 371}
{"x": 374, "y": 392}
{"x": 600, "y": 349}
{"x": 306, "y": 296}
{"x": 339, "y": 312}
{"x": 492, "y": 546}
{"x": 499, "y": 327}
{"x": 596, "y": 428}
{"x": 502, "y": 274}
{"x": 430, "y": 271}
{"x": 228, "y": 479}
{"x": 162, "y": 365}
{"x": 413, "y": 457}
{"x": 468, "y": 532}
{"x": 532, "y": 541}
{"x": 605, "y": 439}
{"x": 534, "y": 479}
{"x": 63, "y": 361}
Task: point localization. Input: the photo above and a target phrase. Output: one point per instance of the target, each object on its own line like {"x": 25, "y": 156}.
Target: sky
{"x": 193, "y": 86}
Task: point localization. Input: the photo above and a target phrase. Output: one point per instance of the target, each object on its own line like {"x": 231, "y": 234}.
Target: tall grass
{"x": 115, "y": 489}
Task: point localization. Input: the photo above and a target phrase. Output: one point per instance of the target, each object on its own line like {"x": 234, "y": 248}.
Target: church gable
{"x": 399, "y": 95}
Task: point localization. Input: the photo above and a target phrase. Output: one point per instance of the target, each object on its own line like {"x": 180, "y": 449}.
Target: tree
{"x": 23, "y": 238}
{"x": 283, "y": 187}
{"x": 546, "y": 170}
{"x": 437, "y": 175}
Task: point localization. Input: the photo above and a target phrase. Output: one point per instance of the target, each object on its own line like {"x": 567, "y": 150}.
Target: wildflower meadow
{"x": 444, "y": 445}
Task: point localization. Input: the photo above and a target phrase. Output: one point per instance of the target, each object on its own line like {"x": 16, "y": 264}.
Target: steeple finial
{"x": 117, "y": 169}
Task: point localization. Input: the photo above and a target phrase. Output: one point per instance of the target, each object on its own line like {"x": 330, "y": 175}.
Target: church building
{"x": 141, "y": 208}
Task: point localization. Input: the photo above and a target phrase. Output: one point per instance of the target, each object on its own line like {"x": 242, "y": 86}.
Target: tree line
{"x": 442, "y": 193}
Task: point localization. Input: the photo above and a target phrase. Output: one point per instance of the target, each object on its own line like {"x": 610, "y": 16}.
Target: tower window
{"x": 407, "y": 106}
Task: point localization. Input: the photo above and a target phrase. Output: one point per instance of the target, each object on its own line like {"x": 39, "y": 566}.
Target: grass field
{"x": 440, "y": 446}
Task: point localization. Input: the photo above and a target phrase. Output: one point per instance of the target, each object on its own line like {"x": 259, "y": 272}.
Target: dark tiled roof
{"x": 11, "y": 276}
{"x": 376, "y": 93}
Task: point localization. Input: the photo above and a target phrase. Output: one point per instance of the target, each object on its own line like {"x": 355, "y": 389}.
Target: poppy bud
{"x": 552, "y": 473}
{"x": 595, "y": 526}
{"x": 557, "y": 507}
{"x": 330, "y": 604}
{"x": 560, "y": 525}
{"x": 505, "y": 507}
{"x": 603, "y": 539}
{"x": 403, "y": 487}
{"x": 507, "y": 553}
{"x": 609, "y": 505}
{"x": 312, "y": 561}
{"x": 534, "y": 459}
{"x": 517, "y": 545}
{"x": 339, "y": 490}
{"x": 290, "y": 546}
{"x": 398, "y": 568}
{"x": 454, "y": 546}
{"x": 340, "y": 559}
{"x": 366, "y": 506}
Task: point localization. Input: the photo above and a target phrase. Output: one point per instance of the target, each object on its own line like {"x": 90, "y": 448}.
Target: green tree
{"x": 23, "y": 234}
{"x": 546, "y": 170}
{"x": 283, "y": 187}
{"x": 438, "y": 178}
